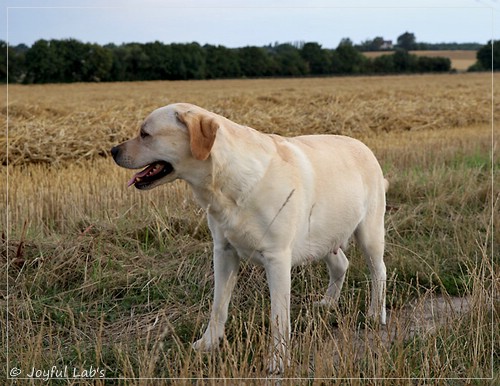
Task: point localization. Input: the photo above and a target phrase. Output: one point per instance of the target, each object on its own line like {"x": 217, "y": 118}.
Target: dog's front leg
{"x": 226, "y": 264}
{"x": 278, "y": 272}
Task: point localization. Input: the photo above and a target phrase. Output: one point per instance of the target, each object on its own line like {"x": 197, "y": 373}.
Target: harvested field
{"x": 104, "y": 276}
{"x": 61, "y": 123}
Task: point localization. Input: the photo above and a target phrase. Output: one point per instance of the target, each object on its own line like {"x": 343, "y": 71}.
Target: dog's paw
{"x": 275, "y": 368}
{"x": 201, "y": 345}
{"x": 377, "y": 318}
{"x": 210, "y": 339}
{"x": 206, "y": 344}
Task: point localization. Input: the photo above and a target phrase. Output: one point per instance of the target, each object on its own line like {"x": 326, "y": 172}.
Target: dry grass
{"x": 109, "y": 277}
{"x": 60, "y": 123}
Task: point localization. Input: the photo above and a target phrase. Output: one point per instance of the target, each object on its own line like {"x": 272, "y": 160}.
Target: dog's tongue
{"x": 133, "y": 180}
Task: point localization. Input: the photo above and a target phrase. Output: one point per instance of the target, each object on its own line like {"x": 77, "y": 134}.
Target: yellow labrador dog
{"x": 272, "y": 200}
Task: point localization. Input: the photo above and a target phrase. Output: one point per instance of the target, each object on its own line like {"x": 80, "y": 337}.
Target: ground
{"x": 104, "y": 276}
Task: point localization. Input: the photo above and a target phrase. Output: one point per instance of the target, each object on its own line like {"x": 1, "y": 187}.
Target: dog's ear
{"x": 202, "y": 131}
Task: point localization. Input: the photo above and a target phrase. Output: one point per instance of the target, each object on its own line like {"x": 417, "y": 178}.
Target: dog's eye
{"x": 144, "y": 134}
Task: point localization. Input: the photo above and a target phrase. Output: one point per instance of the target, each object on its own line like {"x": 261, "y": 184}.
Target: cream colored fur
{"x": 272, "y": 200}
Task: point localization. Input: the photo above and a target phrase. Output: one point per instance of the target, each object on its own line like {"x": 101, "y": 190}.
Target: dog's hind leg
{"x": 370, "y": 236}
{"x": 337, "y": 264}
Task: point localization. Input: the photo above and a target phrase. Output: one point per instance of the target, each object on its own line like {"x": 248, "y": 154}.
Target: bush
{"x": 384, "y": 64}
{"x": 402, "y": 61}
{"x": 485, "y": 56}
{"x": 438, "y": 64}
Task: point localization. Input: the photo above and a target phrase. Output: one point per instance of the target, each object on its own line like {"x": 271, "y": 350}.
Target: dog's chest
{"x": 244, "y": 236}
{"x": 242, "y": 231}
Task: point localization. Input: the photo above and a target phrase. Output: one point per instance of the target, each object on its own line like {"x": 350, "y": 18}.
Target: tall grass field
{"x": 104, "y": 285}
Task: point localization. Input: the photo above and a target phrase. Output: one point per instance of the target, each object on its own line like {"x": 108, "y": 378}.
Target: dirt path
{"x": 420, "y": 317}
{"x": 430, "y": 312}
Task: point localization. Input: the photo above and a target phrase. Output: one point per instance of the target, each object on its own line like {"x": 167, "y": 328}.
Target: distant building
{"x": 387, "y": 45}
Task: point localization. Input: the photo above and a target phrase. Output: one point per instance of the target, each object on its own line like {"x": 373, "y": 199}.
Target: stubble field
{"x": 101, "y": 277}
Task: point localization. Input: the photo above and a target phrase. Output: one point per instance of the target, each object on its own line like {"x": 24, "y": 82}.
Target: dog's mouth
{"x": 151, "y": 173}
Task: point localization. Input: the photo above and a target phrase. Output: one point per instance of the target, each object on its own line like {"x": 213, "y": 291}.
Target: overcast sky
{"x": 248, "y": 22}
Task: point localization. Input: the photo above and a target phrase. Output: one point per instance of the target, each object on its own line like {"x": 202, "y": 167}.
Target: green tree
{"x": 407, "y": 41}
{"x": 71, "y": 55}
{"x": 159, "y": 61}
{"x": 187, "y": 62}
{"x": 255, "y": 61}
{"x": 346, "y": 59}
{"x": 221, "y": 62}
{"x": 16, "y": 63}
{"x": 135, "y": 62}
{"x": 485, "y": 58}
{"x": 67, "y": 60}
{"x": 372, "y": 45}
{"x": 3, "y": 61}
{"x": 404, "y": 62}
{"x": 42, "y": 63}
{"x": 195, "y": 61}
{"x": 383, "y": 64}
{"x": 97, "y": 63}
{"x": 118, "y": 68}
{"x": 318, "y": 59}
{"x": 433, "y": 64}
{"x": 289, "y": 61}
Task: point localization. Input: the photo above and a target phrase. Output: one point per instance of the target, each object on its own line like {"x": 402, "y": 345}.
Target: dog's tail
{"x": 386, "y": 184}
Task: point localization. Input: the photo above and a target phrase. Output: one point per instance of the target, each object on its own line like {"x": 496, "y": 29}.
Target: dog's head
{"x": 170, "y": 143}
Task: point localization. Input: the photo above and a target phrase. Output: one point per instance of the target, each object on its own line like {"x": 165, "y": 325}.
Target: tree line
{"x": 408, "y": 41}
{"x": 70, "y": 60}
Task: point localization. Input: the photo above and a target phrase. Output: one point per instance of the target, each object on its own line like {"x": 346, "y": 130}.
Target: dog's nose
{"x": 114, "y": 152}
